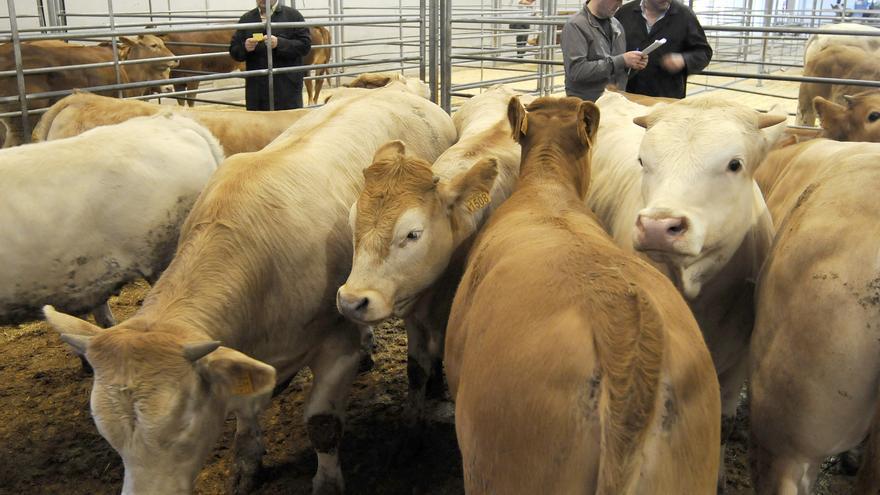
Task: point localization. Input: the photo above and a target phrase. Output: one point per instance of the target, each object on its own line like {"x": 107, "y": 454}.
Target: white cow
{"x": 682, "y": 192}
{"x": 83, "y": 216}
{"x": 259, "y": 261}
{"x": 817, "y": 42}
{"x": 411, "y": 235}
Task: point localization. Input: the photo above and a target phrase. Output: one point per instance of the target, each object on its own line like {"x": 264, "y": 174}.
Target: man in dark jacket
{"x": 289, "y": 46}
{"x": 686, "y": 50}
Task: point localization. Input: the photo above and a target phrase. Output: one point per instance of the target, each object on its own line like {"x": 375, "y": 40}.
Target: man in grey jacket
{"x": 593, "y": 51}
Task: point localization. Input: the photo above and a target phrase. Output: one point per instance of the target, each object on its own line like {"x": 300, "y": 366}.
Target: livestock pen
{"x": 48, "y": 440}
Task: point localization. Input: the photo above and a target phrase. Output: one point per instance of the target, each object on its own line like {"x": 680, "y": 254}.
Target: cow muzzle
{"x": 363, "y": 307}
{"x": 664, "y": 233}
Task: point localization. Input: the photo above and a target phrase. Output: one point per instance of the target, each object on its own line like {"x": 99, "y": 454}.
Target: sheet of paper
{"x": 655, "y": 45}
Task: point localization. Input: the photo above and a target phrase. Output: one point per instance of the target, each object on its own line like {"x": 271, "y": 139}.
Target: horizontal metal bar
{"x": 95, "y": 65}
{"x": 536, "y": 61}
{"x": 503, "y": 80}
{"x": 802, "y": 79}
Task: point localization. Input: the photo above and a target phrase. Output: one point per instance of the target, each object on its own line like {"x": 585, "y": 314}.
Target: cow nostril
{"x": 677, "y": 229}
{"x": 362, "y": 304}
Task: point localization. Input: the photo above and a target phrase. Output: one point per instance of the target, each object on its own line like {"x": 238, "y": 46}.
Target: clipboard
{"x": 653, "y": 46}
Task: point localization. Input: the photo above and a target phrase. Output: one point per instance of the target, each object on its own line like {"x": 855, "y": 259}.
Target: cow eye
{"x": 874, "y": 117}
{"x": 154, "y": 46}
{"x": 735, "y": 165}
{"x": 414, "y": 235}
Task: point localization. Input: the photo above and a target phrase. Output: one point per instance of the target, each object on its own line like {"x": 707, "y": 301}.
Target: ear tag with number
{"x": 242, "y": 385}
{"x": 477, "y": 201}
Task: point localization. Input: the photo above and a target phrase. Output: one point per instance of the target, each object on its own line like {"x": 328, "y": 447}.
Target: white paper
{"x": 655, "y": 45}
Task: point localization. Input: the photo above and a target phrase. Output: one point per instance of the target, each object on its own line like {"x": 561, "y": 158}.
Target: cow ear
{"x": 641, "y": 121}
{"x": 238, "y": 374}
{"x": 832, "y": 117}
{"x": 518, "y": 118}
{"x": 392, "y": 150}
{"x": 77, "y": 333}
{"x": 469, "y": 192}
{"x": 128, "y": 40}
{"x": 588, "y": 122}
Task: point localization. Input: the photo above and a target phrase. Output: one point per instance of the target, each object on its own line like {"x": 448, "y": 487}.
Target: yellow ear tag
{"x": 258, "y": 37}
{"x": 243, "y": 385}
{"x": 477, "y": 201}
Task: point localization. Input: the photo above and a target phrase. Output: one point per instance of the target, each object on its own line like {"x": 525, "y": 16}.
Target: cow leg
{"x": 782, "y": 475}
{"x": 731, "y": 382}
{"x": 334, "y": 370}
{"x": 806, "y": 115}
{"x": 318, "y": 84}
{"x": 104, "y": 316}
{"x": 309, "y": 87}
{"x": 13, "y": 132}
{"x": 181, "y": 100}
{"x": 869, "y": 472}
{"x": 192, "y": 85}
{"x": 247, "y": 448}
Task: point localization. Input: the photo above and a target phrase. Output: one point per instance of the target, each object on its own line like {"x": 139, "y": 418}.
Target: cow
{"x": 834, "y": 61}
{"x": 374, "y": 80}
{"x": 51, "y": 55}
{"x": 191, "y": 43}
{"x": 819, "y": 41}
{"x": 88, "y": 214}
{"x": 248, "y": 300}
{"x": 318, "y": 55}
{"x": 237, "y": 130}
{"x": 413, "y": 225}
{"x": 575, "y": 367}
{"x": 815, "y": 350}
{"x": 675, "y": 182}
{"x": 857, "y": 120}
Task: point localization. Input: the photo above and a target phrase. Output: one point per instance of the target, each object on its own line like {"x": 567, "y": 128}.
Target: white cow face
{"x": 161, "y": 402}
{"x": 406, "y": 225}
{"x": 698, "y": 159}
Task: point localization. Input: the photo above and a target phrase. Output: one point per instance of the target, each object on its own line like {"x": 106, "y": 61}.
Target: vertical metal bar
{"x": 63, "y": 13}
{"x": 19, "y": 76}
{"x": 400, "y": 31}
{"x": 422, "y": 49}
{"x": 114, "y": 45}
{"x": 446, "y": 62}
{"x": 150, "y": 6}
{"x": 268, "y": 44}
{"x": 341, "y": 34}
{"x": 41, "y": 15}
{"x": 432, "y": 48}
{"x": 52, "y": 12}
{"x": 334, "y": 15}
{"x": 813, "y": 14}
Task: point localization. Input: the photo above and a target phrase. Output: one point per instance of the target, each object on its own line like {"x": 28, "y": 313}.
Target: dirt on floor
{"x": 49, "y": 444}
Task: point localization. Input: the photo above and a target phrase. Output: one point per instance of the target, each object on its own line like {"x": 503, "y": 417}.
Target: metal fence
{"x": 457, "y": 47}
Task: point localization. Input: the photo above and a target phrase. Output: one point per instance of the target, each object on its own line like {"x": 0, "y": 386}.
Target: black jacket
{"x": 293, "y": 45}
{"x": 683, "y": 35}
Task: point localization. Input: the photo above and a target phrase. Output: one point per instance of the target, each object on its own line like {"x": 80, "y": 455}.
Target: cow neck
{"x": 548, "y": 163}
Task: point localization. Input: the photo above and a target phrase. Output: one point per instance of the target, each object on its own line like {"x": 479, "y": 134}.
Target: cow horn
{"x": 194, "y": 352}
{"x": 850, "y": 99}
{"x": 767, "y": 120}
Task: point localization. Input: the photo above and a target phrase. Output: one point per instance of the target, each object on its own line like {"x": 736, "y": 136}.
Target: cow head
{"x": 858, "y": 120}
{"x": 698, "y": 157}
{"x": 406, "y": 224}
{"x": 146, "y": 46}
{"x": 161, "y": 401}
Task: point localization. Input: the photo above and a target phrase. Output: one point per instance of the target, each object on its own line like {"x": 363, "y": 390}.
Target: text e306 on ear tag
{"x": 477, "y": 201}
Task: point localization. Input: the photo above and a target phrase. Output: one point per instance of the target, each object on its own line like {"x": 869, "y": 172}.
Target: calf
{"x": 575, "y": 367}
{"x": 834, "y": 61}
{"x": 318, "y": 55}
{"x": 257, "y": 267}
{"x": 88, "y": 214}
{"x": 815, "y": 351}
{"x": 191, "y": 43}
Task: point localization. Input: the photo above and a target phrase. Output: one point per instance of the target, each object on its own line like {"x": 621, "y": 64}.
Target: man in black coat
{"x": 289, "y": 46}
{"x": 686, "y": 50}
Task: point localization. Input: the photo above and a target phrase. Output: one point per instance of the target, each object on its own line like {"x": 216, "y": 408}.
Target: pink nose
{"x": 660, "y": 233}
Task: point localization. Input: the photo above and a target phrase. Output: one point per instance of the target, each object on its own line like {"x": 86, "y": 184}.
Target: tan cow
{"x": 857, "y": 120}
{"x": 835, "y": 61}
{"x": 237, "y": 130}
{"x": 188, "y": 43}
{"x": 413, "y": 225}
{"x": 816, "y": 345}
{"x": 44, "y": 55}
{"x": 677, "y": 185}
{"x": 575, "y": 367}
{"x": 318, "y": 55}
{"x": 259, "y": 261}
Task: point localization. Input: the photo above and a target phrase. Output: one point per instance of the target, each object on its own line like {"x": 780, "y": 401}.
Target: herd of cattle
{"x": 597, "y": 280}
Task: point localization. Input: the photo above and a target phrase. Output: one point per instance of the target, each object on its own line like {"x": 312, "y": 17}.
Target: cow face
{"x": 858, "y": 120}
{"x": 698, "y": 158}
{"x": 160, "y": 401}
{"x": 406, "y": 225}
{"x": 148, "y": 46}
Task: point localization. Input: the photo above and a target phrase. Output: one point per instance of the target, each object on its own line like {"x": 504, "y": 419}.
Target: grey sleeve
{"x": 575, "y": 49}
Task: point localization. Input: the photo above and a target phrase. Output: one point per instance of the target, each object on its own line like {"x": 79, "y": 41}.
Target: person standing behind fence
{"x": 526, "y": 7}
{"x": 289, "y": 46}
{"x": 593, "y": 51}
{"x": 686, "y": 50}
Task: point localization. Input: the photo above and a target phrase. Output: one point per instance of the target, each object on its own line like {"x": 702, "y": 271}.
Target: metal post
{"x": 433, "y": 61}
{"x": 19, "y": 75}
{"x": 268, "y": 44}
{"x": 446, "y": 57}
{"x": 422, "y": 49}
{"x": 400, "y": 32}
{"x": 150, "y": 6}
{"x": 114, "y": 45}
{"x": 53, "y": 12}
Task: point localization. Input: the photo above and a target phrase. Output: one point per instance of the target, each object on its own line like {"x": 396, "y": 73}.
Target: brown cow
{"x": 815, "y": 350}
{"x": 50, "y": 55}
{"x": 834, "y": 61}
{"x": 857, "y": 120}
{"x": 187, "y": 44}
{"x": 576, "y": 367}
{"x": 317, "y": 55}
{"x": 237, "y": 130}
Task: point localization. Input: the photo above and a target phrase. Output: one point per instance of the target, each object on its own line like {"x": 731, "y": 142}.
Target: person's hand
{"x": 635, "y": 60}
{"x": 274, "y": 41}
{"x": 250, "y": 44}
{"x": 672, "y": 63}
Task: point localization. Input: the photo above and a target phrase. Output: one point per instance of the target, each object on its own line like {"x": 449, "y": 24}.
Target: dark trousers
{"x": 521, "y": 39}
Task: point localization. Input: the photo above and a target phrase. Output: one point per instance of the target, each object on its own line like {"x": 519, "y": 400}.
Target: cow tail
{"x": 630, "y": 351}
